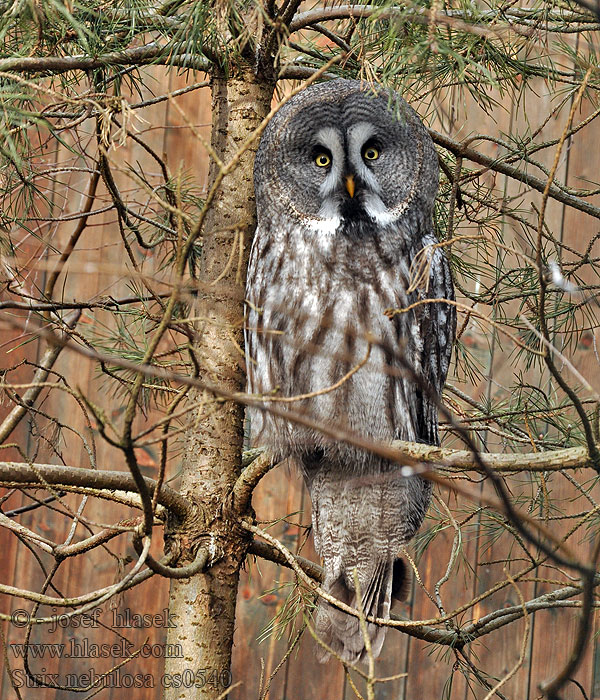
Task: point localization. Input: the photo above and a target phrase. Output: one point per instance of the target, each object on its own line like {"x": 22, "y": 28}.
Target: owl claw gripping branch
{"x": 345, "y": 182}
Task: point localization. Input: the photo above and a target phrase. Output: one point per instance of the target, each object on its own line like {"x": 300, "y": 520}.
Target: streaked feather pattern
{"x": 318, "y": 291}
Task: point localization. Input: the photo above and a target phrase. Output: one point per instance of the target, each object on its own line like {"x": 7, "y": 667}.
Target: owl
{"x": 345, "y": 179}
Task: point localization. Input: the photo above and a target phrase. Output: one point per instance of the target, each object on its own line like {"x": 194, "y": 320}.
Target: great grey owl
{"x": 345, "y": 179}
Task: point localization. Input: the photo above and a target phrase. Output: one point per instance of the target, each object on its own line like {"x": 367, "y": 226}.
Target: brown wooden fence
{"x": 424, "y": 671}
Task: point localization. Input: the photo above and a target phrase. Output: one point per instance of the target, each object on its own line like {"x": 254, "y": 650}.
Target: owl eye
{"x": 370, "y": 153}
{"x": 323, "y": 160}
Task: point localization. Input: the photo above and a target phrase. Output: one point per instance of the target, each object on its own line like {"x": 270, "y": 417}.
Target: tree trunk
{"x": 204, "y": 606}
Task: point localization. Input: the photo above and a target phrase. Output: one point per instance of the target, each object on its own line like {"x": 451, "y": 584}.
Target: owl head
{"x": 343, "y": 154}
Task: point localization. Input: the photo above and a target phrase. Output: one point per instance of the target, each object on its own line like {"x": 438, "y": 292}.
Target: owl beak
{"x": 350, "y": 185}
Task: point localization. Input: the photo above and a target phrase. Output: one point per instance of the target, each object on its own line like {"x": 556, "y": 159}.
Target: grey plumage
{"x": 328, "y": 260}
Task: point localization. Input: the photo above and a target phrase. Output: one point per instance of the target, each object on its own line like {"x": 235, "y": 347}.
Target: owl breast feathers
{"x": 345, "y": 182}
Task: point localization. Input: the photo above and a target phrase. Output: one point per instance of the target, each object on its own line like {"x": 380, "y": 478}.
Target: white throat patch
{"x": 326, "y": 226}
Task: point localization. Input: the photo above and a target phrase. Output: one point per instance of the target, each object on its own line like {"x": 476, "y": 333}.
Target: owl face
{"x": 348, "y": 164}
{"x": 340, "y": 156}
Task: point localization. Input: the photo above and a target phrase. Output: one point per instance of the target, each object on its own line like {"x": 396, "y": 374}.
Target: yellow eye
{"x": 371, "y": 153}
{"x": 323, "y": 160}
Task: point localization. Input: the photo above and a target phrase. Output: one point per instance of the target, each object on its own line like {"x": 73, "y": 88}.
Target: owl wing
{"x": 434, "y": 327}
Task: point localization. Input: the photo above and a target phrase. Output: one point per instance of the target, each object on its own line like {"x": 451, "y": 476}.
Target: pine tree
{"x": 78, "y": 81}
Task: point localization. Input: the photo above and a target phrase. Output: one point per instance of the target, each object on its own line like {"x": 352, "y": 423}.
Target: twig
{"x": 138, "y": 55}
{"x": 17, "y": 473}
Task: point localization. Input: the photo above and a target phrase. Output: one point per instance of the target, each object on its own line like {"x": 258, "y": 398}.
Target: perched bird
{"x": 345, "y": 179}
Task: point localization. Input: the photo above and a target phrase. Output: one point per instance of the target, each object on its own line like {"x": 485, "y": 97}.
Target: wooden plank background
{"x": 430, "y": 673}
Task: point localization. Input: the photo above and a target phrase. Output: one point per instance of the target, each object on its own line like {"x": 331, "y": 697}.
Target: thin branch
{"x": 108, "y": 303}
{"x": 23, "y": 475}
{"x": 497, "y": 164}
{"x": 139, "y": 55}
{"x": 455, "y": 638}
{"x": 41, "y": 374}
{"x": 85, "y": 213}
{"x": 266, "y": 551}
{"x": 416, "y": 15}
{"x": 200, "y": 563}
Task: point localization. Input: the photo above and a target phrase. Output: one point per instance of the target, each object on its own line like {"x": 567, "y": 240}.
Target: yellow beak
{"x": 350, "y": 185}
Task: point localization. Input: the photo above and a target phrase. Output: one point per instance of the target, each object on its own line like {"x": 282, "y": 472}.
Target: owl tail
{"x": 342, "y": 632}
{"x": 360, "y": 524}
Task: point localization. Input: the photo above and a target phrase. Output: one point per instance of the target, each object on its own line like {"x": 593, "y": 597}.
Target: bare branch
{"x": 23, "y": 475}
{"x": 498, "y": 165}
{"x": 152, "y": 53}
{"x": 40, "y": 375}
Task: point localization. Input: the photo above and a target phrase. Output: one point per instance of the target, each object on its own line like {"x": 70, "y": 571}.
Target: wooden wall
{"x": 425, "y": 672}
